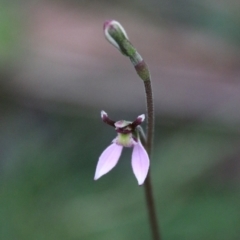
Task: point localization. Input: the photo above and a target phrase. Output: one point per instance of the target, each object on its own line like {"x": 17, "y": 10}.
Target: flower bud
{"x": 117, "y": 36}
{"x": 114, "y": 33}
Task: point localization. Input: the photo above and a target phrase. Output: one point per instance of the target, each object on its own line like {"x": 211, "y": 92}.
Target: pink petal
{"x": 140, "y": 162}
{"x": 108, "y": 160}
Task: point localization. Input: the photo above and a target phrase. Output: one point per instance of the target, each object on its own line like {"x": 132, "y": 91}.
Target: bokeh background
{"x": 57, "y": 72}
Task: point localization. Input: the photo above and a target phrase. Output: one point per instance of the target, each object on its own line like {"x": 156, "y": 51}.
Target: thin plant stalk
{"x": 148, "y": 145}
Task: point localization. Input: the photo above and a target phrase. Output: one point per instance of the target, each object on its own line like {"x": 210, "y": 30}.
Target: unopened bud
{"x": 117, "y": 36}
{"x": 114, "y": 33}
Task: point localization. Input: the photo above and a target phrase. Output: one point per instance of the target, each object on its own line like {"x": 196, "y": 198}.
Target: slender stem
{"x": 150, "y": 116}
{"x": 148, "y": 145}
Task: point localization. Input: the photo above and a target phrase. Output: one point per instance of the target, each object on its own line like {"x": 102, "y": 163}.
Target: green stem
{"x": 150, "y": 116}
{"x": 148, "y": 145}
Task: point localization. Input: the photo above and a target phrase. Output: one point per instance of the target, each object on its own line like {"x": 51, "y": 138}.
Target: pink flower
{"x": 127, "y": 137}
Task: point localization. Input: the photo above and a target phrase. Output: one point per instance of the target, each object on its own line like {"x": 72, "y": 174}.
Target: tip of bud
{"x": 107, "y": 23}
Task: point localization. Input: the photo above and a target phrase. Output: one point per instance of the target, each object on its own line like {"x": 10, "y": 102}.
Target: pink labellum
{"x": 108, "y": 160}
{"x": 140, "y": 162}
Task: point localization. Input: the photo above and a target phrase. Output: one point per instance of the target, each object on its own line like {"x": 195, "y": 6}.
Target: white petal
{"x": 108, "y": 160}
{"x": 140, "y": 162}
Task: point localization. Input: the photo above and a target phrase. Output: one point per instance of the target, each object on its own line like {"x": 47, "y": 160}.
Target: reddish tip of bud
{"x": 106, "y": 24}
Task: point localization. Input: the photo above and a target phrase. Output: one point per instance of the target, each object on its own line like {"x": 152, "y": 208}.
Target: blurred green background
{"x": 57, "y": 72}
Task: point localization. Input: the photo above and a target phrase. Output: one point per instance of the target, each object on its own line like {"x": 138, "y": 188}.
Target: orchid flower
{"x": 127, "y": 136}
